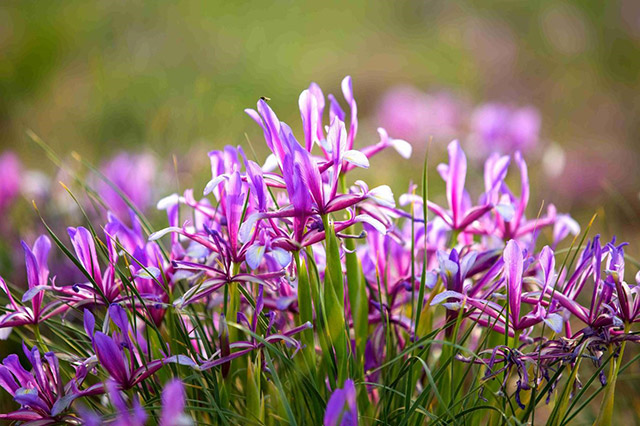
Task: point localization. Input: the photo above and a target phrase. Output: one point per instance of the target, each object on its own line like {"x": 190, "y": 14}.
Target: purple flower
{"x": 501, "y": 128}
{"x": 42, "y": 395}
{"x": 103, "y": 287}
{"x": 514, "y": 269}
{"x": 38, "y": 281}
{"x": 125, "y": 415}
{"x": 341, "y": 408}
{"x": 133, "y": 175}
{"x": 415, "y": 116}
{"x": 173, "y": 401}
{"x": 111, "y": 351}
{"x": 460, "y": 214}
{"x": 509, "y": 219}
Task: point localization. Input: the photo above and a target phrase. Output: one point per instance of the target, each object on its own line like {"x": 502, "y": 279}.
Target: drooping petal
{"x": 283, "y": 257}
{"x": 356, "y": 158}
{"x": 254, "y": 255}
{"x": 382, "y": 195}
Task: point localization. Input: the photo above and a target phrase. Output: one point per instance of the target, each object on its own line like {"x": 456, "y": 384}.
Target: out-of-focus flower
{"x": 10, "y": 174}
{"x": 505, "y": 129}
{"x": 125, "y": 415}
{"x": 133, "y": 175}
{"x": 411, "y": 114}
{"x": 341, "y": 408}
{"x": 173, "y": 400}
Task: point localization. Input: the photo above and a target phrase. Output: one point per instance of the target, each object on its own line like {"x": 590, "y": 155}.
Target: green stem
{"x": 39, "y": 338}
{"x": 605, "y": 417}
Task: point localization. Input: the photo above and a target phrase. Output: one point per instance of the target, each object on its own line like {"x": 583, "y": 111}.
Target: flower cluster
{"x": 288, "y": 277}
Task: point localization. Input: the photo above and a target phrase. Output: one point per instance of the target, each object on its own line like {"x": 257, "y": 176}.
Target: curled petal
{"x": 382, "y": 195}
{"x": 356, "y": 158}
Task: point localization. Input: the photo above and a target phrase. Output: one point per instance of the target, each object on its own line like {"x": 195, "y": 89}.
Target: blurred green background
{"x": 174, "y": 77}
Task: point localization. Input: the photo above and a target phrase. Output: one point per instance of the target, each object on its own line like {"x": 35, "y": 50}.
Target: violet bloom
{"x": 43, "y": 397}
{"x": 341, "y": 408}
{"x": 221, "y": 270}
{"x": 627, "y": 303}
{"x": 133, "y": 175}
{"x": 38, "y": 281}
{"x": 453, "y": 271}
{"x": 10, "y": 176}
{"x": 509, "y": 220}
{"x": 111, "y": 351}
{"x": 490, "y": 314}
{"x": 599, "y": 314}
{"x": 151, "y": 275}
{"x": 498, "y": 127}
{"x": 514, "y": 262}
{"x": 103, "y": 287}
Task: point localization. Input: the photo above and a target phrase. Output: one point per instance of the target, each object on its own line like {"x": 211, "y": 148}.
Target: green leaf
{"x": 334, "y": 300}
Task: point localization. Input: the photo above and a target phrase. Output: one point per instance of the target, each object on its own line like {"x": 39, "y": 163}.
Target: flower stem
{"x": 605, "y": 417}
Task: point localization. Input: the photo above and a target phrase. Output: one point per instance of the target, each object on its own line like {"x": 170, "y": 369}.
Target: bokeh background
{"x": 168, "y": 81}
{"x": 172, "y": 78}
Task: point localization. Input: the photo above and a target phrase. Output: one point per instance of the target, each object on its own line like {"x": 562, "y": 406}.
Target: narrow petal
{"x": 513, "y": 263}
{"x": 455, "y": 180}
{"x": 111, "y": 358}
{"x": 382, "y": 195}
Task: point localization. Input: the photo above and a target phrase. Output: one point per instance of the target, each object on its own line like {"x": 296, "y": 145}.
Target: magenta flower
{"x": 38, "y": 281}
{"x": 415, "y": 116}
{"x": 10, "y": 176}
{"x": 151, "y": 275}
{"x": 490, "y": 314}
{"x": 627, "y": 303}
{"x": 514, "y": 270}
{"x": 173, "y": 401}
{"x": 460, "y": 214}
{"x": 103, "y": 287}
